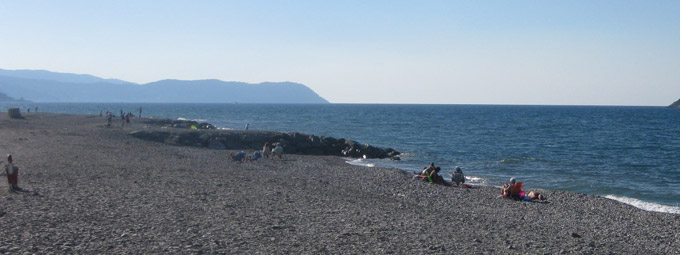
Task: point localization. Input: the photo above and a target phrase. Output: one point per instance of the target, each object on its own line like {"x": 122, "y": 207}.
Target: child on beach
{"x": 267, "y": 150}
{"x": 12, "y": 174}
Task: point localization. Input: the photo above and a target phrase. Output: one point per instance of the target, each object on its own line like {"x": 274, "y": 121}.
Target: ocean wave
{"x": 359, "y": 162}
{"x": 647, "y": 206}
{"x": 197, "y": 120}
{"x": 475, "y": 180}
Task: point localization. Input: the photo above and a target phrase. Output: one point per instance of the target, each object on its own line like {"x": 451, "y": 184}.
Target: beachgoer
{"x": 238, "y": 157}
{"x": 140, "y": 111}
{"x": 127, "y": 119}
{"x": 267, "y": 150}
{"x": 428, "y": 170}
{"x": 458, "y": 177}
{"x": 109, "y": 116}
{"x": 534, "y": 195}
{"x": 12, "y": 174}
{"x": 436, "y": 178}
{"x": 512, "y": 189}
{"x": 247, "y": 125}
{"x": 256, "y": 155}
{"x": 278, "y": 151}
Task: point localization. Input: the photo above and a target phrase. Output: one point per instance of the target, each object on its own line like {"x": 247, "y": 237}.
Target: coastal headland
{"x": 93, "y": 189}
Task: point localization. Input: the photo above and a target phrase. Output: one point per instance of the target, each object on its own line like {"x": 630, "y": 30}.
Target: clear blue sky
{"x": 442, "y": 52}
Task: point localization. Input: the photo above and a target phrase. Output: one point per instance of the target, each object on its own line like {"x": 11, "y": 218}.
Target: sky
{"x": 388, "y": 52}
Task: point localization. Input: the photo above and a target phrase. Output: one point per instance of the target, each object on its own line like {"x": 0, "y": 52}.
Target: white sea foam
{"x": 475, "y": 179}
{"x": 359, "y": 162}
{"x": 197, "y": 120}
{"x": 647, "y": 206}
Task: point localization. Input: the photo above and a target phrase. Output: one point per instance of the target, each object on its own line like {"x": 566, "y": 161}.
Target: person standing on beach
{"x": 267, "y": 150}
{"x": 109, "y": 117}
{"x": 12, "y": 174}
{"x": 140, "y": 111}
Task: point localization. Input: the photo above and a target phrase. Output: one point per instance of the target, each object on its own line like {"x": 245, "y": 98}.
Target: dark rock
{"x": 676, "y": 104}
{"x": 216, "y": 145}
{"x": 293, "y": 143}
{"x": 14, "y": 113}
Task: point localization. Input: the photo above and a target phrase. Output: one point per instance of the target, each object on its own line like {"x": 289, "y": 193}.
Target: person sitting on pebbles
{"x": 436, "y": 178}
{"x": 458, "y": 177}
{"x": 512, "y": 190}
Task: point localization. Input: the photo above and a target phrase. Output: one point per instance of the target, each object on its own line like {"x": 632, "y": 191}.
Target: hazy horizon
{"x": 384, "y": 52}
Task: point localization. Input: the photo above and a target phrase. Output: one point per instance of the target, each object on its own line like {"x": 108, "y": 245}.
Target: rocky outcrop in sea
{"x": 676, "y": 104}
{"x": 205, "y": 135}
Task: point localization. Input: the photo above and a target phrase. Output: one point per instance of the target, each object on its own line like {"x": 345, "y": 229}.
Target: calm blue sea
{"x": 630, "y": 154}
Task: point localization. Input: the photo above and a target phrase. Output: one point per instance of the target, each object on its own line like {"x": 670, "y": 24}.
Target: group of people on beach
{"x": 512, "y": 190}
{"x": 431, "y": 175}
{"x": 124, "y": 117}
{"x": 266, "y": 152}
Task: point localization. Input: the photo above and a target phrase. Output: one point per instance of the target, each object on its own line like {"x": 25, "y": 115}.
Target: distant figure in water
{"x": 12, "y": 172}
{"x": 267, "y": 150}
{"x": 458, "y": 177}
{"x": 28, "y": 109}
{"x": 36, "y": 109}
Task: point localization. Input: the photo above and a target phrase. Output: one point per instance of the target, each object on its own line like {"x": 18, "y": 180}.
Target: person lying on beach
{"x": 534, "y": 195}
{"x": 512, "y": 189}
{"x": 256, "y": 155}
{"x": 457, "y": 177}
{"x": 238, "y": 157}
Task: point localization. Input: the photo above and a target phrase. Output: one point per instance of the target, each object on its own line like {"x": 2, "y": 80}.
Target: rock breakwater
{"x": 293, "y": 142}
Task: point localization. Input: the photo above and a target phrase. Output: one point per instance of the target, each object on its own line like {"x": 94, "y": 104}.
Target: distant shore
{"x": 89, "y": 188}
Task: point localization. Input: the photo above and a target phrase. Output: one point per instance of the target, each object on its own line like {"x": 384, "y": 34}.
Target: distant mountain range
{"x": 6, "y": 99}
{"x": 46, "y": 86}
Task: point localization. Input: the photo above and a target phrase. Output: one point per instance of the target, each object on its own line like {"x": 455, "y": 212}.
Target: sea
{"x": 629, "y": 154}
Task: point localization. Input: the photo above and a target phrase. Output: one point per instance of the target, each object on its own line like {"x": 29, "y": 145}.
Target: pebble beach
{"x": 93, "y": 189}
